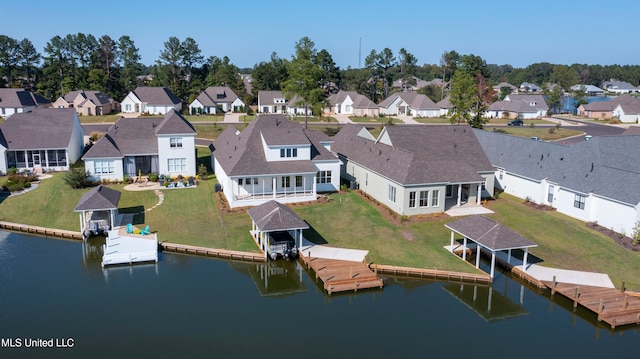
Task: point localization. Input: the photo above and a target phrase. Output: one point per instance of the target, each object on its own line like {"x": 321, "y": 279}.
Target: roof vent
{"x": 379, "y": 152}
{"x": 591, "y": 166}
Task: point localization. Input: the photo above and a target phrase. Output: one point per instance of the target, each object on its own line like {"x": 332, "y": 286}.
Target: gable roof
{"x": 359, "y": 101}
{"x": 156, "y": 95}
{"x": 98, "y": 198}
{"x": 592, "y": 166}
{"x": 489, "y": 233}
{"x": 619, "y": 85}
{"x": 417, "y": 154}
{"x": 42, "y": 128}
{"x": 520, "y": 103}
{"x": 445, "y": 103}
{"x": 97, "y": 97}
{"x": 274, "y": 216}
{"x": 215, "y": 95}
{"x": 242, "y": 153}
{"x": 138, "y": 136}
{"x": 415, "y": 100}
{"x": 19, "y": 98}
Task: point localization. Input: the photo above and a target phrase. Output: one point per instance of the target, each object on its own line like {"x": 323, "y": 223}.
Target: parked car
{"x": 516, "y": 122}
{"x": 535, "y": 138}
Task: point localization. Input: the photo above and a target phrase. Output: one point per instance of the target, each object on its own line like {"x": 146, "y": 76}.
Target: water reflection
{"x": 274, "y": 278}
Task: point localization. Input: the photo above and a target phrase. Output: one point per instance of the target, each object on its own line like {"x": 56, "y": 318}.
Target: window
{"x": 177, "y": 164}
{"x": 127, "y": 108}
{"x": 424, "y": 198}
{"x": 501, "y": 173}
{"x": 579, "y": 201}
{"x": 366, "y": 179}
{"x": 435, "y": 197}
{"x": 392, "y": 193}
{"x": 282, "y": 153}
{"x": 294, "y": 152}
{"x": 288, "y": 152}
{"x": 240, "y": 180}
{"x": 412, "y": 199}
{"x": 323, "y": 177}
{"x": 298, "y": 181}
{"x": 175, "y": 142}
{"x": 550, "y": 195}
{"x": 286, "y": 182}
{"x": 103, "y": 167}
{"x": 255, "y": 180}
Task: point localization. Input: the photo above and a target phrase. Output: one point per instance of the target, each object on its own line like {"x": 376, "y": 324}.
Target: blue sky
{"x": 501, "y": 32}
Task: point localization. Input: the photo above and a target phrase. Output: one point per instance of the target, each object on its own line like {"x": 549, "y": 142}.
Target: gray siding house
{"x": 416, "y": 169}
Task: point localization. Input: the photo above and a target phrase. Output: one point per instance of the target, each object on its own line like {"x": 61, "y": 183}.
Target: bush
{"x": 18, "y": 182}
{"x": 153, "y": 177}
{"x": 202, "y": 171}
{"x": 78, "y": 178}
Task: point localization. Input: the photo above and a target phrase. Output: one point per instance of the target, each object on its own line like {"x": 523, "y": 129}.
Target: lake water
{"x": 569, "y": 103}
{"x": 198, "y": 307}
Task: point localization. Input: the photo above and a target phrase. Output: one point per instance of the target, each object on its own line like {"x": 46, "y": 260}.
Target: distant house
{"x": 352, "y": 103}
{"x": 274, "y": 159}
{"x": 627, "y": 112}
{"x": 43, "y": 139}
{"x": 589, "y": 89}
{"x": 521, "y": 106}
{"x": 87, "y": 103}
{"x": 144, "y": 145}
{"x": 275, "y": 102}
{"x": 14, "y": 100}
{"x": 619, "y": 87}
{"x": 593, "y": 181}
{"x": 216, "y": 99}
{"x": 604, "y": 109}
{"x": 416, "y": 169}
{"x": 151, "y": 100}
{"x": 410, "y": 104}
{"x": 529, "y": 87}
{"x": 445, "y": 106}
{"x": 497, "y": 89}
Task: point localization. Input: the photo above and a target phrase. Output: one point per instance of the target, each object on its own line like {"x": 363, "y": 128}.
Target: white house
{"x": 593, "y": 181}
{"x": 275, "y": 102}
{"x": 215, "y": 99}
{"x": 144, "y": 145}
{"x": 410, "y": 104}
{"x": 619, "y": 87}
{"x": 627, "y": 112}
{"x": 43, "y": 139}
{"x": 589, "y": 89}
{"x": 352, "y": 103}
{"x": 274, "y": 158}
{"x": 151, "y": 100}
{"x": 523, "y": 106}
{"x": 15, "y": 100}
{"x": 416, "y": 169}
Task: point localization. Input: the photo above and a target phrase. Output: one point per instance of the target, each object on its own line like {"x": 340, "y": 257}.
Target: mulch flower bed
{"x": 624, "y": 241}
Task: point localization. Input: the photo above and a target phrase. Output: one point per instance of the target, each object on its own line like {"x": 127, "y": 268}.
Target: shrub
{"x": 78, "y": 178}
{"x": 153, "y": 177}
{"x": 202, "y": 171}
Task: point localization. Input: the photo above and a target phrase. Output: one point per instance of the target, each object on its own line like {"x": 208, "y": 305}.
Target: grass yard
{"x": 433, "y": 120}
{"x": 209, "y": 131}
{"x": 191, "y": 216}
{"x": 383, "y": 120}
{"x": 100, "y": 119}
{"x": 204, "y": 118}
{"x": 543, "y": 133}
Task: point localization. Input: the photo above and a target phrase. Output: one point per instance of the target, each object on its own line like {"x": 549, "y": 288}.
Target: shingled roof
{"x": 98, "y": 198}
{"x": 359, "y": 101}
{"x": 215, "y": 95}
{"x": 413, "y": 99}
{"x": 274, "y": 216}
{"x": 417, "y": 154}
{"x": 489, "y": 233}
{"x": 138, "y": 136}
{"x": 43, "y": 128}
{"x": 156, "y": 95}
{"x": 242, "y": 154}
{"x": 520, "y": 103}
{"x": 19, "y": 98}
{"x": 608, "y": 166}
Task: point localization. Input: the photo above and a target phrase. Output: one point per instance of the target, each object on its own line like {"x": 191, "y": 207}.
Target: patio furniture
{"x": 129, "y": 228}
{"x": 145, "y": 231}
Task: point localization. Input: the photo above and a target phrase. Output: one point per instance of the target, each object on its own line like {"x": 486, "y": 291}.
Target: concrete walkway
{"x": 341, "y": 118}
{"x": 467, "y": 210}
{"x": 322, "y": 251}
{"x": 231, "y": 117}
{"x": 407, "y": 119}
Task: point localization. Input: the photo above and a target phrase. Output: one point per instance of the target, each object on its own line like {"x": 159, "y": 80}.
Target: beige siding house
{"x": 87, "y": 103}
{"x": 415, "y": 169}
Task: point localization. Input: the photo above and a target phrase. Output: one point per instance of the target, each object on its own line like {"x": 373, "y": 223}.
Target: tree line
{"x": 112, "y": 66}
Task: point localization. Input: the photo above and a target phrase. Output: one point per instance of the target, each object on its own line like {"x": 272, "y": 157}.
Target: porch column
{"x": 464, "y": 249}
{"x": 524, "y": 259}
{"x": 478, "y": 252}
{"x": 300, "y": 238}
{"x": 451, "y": 246}
{"x": 479, "y": 199}
{"x": 81, "y": 214}
{"x": 459, "y": 194}
{"x": 273, "y": 190}
{"x": 315, "y": 182}
{"x": 509, "y": 256}
{"x": 493, "y": 262}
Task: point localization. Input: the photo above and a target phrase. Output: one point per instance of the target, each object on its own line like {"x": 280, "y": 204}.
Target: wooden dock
{"x": 212, "y": 252}
{"x": 343, "y": 276}
{"x": 433, "y": 274}
{"x": 613, "y": 306}
{"x": 42, "y": 231}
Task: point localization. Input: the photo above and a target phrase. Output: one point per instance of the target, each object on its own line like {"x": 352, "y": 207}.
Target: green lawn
{"x": 191, "y": 216}
{"x": 432, "y": 119}
{"x": 376, "y": 119}
{"x": 542, "y": 133}
{"x": 204, "y": 118}
{"x": 100, "y": 119}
